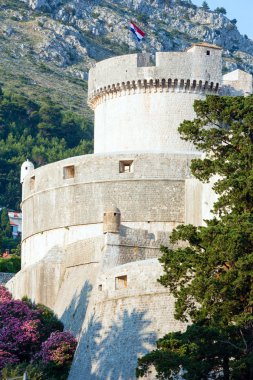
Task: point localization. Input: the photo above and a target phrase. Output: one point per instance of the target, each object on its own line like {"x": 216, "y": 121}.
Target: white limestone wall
{"x": 121, "y": 325}
{"x": 238, "y": 82}
{"x": 62, "y": 211}
{"x": 36, "y": 247}
{"x": 140, "y": 104}
{"x": 144, "y": 122}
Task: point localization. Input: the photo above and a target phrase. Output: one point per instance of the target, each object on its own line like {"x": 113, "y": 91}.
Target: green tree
{"x": 5, "y": 223}
{"x": 211, "y": 273}
{"x": 205, "y": 6}
{"x": 221, "y": 10}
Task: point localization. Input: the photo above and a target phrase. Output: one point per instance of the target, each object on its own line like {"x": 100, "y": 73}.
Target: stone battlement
{"x": 197, "y": 69}
{"x": 152, "y": 86}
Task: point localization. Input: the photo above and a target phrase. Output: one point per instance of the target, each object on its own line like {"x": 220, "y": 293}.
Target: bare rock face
{"x": 38, "y": 4}
{"x": 76, "y": 31}
{"x": 68, "y": 36}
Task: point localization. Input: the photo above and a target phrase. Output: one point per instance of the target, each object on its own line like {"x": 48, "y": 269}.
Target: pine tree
{"x": 211, "y": 274}
{"x": 221, "y": 10}
{"x": 205, "y": 6}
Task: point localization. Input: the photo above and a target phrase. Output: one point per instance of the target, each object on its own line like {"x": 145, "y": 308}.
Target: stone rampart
{"x": 121, "y": 324}
{"x": 198, "y": 69}
{"x": 97, "y": 182}
{"x": 237, "y": 83}
{"x": 151, "y": 194}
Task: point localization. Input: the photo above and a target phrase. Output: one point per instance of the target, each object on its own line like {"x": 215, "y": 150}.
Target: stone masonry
{"x": 93, "y": 225}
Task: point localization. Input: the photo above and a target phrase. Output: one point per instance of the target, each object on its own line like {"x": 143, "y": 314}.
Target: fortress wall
{"x": 237, "y": 83}
{"x": 132, "y": 245}
{"x": 150, "y": 197}
{"x": 150, "y": 200}
{"x": 129, "y": 68}
{"x": 194, "y": 64}
{"x": 82, "y": 266}
{"x": 144, "y": 122}
{"x": 122, "y": 324}
{"x": 35, "y": 247}
{"x": 84, "y": 252}
{"x": 152, "y": 192}
{"x": 105, "y": 167}
{"x": 40, "y": 281}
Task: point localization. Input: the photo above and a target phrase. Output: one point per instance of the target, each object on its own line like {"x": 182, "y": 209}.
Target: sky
{"x": 241, "y": 10}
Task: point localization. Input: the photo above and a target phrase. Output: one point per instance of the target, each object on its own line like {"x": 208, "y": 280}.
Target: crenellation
{"x": 161, "y": 85}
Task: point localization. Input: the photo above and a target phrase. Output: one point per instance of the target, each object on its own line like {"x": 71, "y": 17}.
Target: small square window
{"x": 126, "y": 166}
{"x": 208, "y": 52}
{"x": 68, "y": 172}
{"x": 32, "y": 182}
{"x": 120, "y": 282}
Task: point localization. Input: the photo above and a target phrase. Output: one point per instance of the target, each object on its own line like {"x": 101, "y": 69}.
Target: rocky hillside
{"x": 47, "y": 46}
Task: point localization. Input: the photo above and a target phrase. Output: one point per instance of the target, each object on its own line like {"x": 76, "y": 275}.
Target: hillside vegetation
{"x": 41, "y": 131}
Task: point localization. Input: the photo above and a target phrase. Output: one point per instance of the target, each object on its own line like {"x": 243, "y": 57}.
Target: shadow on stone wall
{"x": 74, "y": 314}
{"x": 110, "y": 353}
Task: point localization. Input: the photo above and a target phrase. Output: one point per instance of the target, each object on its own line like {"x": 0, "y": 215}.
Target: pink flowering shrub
{"x": 4, "y": 294}
{"x": 30, "y": 336}
{"x": 59, "y": 348}
{"x": 19, "y": 329}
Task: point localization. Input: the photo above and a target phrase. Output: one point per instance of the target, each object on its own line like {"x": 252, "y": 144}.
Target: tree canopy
{"x": 209, "y": 269}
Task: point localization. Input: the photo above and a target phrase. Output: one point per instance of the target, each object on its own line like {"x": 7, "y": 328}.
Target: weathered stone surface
{"x": 102, "y": 282}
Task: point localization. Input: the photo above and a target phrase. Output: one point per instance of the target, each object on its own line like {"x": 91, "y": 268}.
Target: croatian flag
{"x": 139, "y": 34}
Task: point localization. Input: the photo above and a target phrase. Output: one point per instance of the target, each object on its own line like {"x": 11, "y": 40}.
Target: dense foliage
{"x": 209, "y": 269}
{"x": 31, "y": 339}
{"x": 40, "y": 131}
{"x": 11, "y": 264}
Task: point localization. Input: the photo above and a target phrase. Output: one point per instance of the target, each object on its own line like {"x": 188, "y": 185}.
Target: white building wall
{"x": 144, "y": 122}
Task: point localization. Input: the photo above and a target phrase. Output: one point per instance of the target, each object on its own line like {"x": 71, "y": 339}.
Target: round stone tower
{"x": 97, "y": 266}
{"x": 139, "y": 104}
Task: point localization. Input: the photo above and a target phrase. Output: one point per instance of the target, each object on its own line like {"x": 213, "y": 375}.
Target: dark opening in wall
{"x": 120, "y": 282}
{"x": 32, "y": 182}
{"x": 100, "y": 287}
{"x": 68, "y": 172}
{"x": 208, "y": 52}
{"x": 126, "y": 166}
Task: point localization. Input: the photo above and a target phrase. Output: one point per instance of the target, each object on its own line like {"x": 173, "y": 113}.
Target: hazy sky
{"x": 241, "y": 10}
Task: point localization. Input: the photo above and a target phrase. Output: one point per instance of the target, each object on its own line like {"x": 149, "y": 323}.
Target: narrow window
{"x": 120, "y": 282}
{"x": 208, "y": 52}
{"x": 68, "y": 172}
{"x": 126, "y": 166}
{"x": 32, "y": 182}
{"x": 100, "y": 287}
